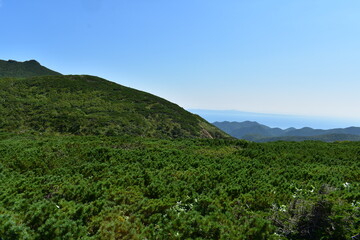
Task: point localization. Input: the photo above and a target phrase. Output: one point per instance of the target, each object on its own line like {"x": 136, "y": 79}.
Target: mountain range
{"x": 257, "y": 132}
{"x": 35, "y": 99}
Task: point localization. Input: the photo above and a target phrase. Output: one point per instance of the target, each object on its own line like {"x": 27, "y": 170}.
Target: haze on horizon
{"x": 278, "y": 57}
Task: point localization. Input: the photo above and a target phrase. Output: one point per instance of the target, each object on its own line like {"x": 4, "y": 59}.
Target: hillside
{"x": 30, "y": 68}
{"x": 254, "y": 131}
{"x": 87, "y": 105}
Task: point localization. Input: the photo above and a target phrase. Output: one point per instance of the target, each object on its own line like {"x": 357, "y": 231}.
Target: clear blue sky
{"x": 280, "y": 56}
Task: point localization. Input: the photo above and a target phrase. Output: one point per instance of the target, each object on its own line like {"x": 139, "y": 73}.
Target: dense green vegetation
{"x": 98, "y": 187}
{"x": 87, "y": 105}
{"x": 30, "y": 68}
{"x": 325, "y": 138}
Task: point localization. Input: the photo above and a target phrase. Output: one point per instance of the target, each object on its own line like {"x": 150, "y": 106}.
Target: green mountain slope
{"x": 87, "y": 105}
{"x": 30, "y": 68}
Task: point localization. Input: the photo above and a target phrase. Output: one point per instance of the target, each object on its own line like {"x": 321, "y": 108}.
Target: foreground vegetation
{"x": 88, "y": 187}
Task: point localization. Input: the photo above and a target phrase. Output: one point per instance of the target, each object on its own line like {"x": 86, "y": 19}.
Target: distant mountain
{"x": 242, "y": 129}
{"x": 87, "y": 105}
{"x": 30, "y": 68}
{"x": 254, "y": 131}
{"x": 280, "y": 120}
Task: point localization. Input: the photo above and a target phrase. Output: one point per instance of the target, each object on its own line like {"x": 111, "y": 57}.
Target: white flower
{"x": 282, "y": 208}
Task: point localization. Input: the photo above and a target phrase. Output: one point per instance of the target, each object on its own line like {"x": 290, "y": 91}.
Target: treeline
{"x": 135, "y": 188}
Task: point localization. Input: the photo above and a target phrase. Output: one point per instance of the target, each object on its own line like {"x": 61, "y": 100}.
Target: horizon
{"x": 275, "y": 120}
{"x": 279, "y": 58}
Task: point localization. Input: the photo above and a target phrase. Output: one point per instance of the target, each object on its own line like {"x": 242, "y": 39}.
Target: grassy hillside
{"x": 90, "y": 187}
{"x": 87, "y": 105}
{"x": 24, "y": 69}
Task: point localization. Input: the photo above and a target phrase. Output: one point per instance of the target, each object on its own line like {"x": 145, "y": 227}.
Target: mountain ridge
{"x": 254, "y": 131}
{"x": 31, "y": 68}
{"x": 83, "y": 105}
{"x": 89, "y": 105}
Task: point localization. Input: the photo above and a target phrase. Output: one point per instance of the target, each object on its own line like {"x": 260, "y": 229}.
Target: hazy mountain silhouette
{"x": 254, "y": 131}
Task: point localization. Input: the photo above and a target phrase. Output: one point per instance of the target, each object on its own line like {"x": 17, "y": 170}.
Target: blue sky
{"x": 298, "y": 57}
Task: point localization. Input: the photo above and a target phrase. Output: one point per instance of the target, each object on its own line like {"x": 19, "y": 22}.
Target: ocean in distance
{"x": 276, "y": 120}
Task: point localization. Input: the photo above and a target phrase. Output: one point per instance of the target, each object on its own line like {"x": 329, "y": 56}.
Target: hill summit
{"x": 88, "y": 105}
{"x": 29, "y": 68}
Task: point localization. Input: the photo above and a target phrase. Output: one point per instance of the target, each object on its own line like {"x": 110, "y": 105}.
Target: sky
{"x": 298, "y": 57}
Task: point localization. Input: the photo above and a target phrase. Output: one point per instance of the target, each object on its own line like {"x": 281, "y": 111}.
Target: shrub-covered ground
{"x": 88, "y": 105}
{"x": 85, "y": 187}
